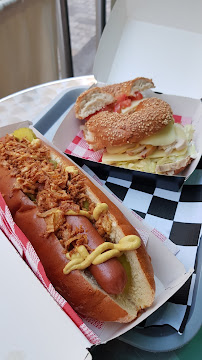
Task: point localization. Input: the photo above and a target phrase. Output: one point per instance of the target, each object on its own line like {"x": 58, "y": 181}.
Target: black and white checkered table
{"x": 177, "y": 215}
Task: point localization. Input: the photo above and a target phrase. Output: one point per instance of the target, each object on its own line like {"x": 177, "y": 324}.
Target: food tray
{"x": 154, "y": 339}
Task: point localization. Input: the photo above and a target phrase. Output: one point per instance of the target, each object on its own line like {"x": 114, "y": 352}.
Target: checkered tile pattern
{"x": 177, "y": 215}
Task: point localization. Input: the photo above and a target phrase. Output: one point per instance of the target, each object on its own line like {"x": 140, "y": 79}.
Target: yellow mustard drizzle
{"x": 80, "y": 213}
{"x": 99, "y": 209}
{"x": 81, "y": 259}
{"x": 54, "y": 211}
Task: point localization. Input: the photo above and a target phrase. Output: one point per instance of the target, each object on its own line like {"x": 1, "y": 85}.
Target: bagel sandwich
{"x": 90, "y": 252}
{"x": 142, "y": 136}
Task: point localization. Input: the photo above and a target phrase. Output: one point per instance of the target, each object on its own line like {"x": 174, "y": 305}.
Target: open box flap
{"x": 37, "y": 327}
{"x": 156, "y": 39}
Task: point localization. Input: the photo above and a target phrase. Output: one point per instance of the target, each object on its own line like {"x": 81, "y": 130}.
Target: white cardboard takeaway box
{"x": 159, "y": 40}
{"x": 30, "y": 319}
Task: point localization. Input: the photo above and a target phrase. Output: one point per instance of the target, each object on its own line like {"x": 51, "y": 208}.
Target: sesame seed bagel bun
{"x": 96, "y": 98}
{"x": 110, "y": 129}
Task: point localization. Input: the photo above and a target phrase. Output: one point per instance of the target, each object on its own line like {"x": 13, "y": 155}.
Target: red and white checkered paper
{"x": 79, "y": 147}
{"x": 27, "y": 252}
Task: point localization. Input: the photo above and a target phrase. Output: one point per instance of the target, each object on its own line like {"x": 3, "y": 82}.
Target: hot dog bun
{"x": 96, "y": 98}
{"x": 79, "y": 288}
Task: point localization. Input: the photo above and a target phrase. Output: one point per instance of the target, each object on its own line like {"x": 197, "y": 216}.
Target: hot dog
{"x": 110, "y": 275}
{"x": 64, "y": 215}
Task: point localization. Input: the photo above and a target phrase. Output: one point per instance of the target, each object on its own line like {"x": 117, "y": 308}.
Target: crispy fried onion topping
{"x": 54, "y": 188}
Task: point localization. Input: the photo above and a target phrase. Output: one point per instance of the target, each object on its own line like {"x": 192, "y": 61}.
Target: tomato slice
{"x": 122, "y": 102}
{"x": 117, "y": 107}
{"x": 126, "y": 103}
{"x": 107, "y": 108}
{"x": 177, "y": 119}
{"x": 122, "y": 97}
{"x": 137, "y": 96}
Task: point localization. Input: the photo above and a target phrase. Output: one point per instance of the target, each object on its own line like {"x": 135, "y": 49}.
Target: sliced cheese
{"x": 120, "y": 149}
{"x": 112, "y": 158}
{"x": 167, "y": 136}
{"x": 164, "y": 137}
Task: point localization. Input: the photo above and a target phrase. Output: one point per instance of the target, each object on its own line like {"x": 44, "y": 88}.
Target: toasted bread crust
{"x": 130, "y": 87}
